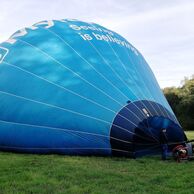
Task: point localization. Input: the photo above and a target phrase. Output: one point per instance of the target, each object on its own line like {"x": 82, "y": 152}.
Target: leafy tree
{"x": 173, "y": 97}
{"x": 181, "y": 100}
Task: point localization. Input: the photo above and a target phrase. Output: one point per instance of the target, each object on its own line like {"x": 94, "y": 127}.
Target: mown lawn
{"x": 44, "y": 174}
{"x": 190, "y": 134}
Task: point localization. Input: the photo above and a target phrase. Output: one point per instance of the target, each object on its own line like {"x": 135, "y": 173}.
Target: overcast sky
{"x": 162, "y": 30}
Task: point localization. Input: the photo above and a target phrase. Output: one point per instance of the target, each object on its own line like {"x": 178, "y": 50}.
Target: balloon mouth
{"x": 136, "y": 129}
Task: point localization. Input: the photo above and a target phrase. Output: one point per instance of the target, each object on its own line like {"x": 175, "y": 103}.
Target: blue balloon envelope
{"x": 77, "y": 88}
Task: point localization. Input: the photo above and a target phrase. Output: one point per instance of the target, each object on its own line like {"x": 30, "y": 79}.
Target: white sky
{"x": 162, "y": 30}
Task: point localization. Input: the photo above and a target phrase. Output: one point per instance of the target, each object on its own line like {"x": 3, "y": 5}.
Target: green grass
{"x": 190, "y": 134}
{"x": 44, "y": 174}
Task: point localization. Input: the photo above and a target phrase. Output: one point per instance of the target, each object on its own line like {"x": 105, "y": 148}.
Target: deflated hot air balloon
{"x": 77, "y": 88}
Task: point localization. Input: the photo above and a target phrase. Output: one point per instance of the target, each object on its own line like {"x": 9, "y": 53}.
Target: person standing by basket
{"x": 164, "y": 143}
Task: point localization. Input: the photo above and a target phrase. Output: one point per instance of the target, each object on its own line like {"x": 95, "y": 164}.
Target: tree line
{"x": 181, "y": 99}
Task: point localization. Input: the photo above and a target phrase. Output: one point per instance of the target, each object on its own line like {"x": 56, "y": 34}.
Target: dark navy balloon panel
{"x": 141, "y": 132}
{"x": 72, "y": 87}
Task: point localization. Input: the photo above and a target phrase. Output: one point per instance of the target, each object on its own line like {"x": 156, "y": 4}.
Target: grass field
{"x": 44, "y": 174}
{"x": 190, "y": 134}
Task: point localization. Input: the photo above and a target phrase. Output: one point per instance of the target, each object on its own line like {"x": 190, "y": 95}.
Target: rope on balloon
{"x": 73, "y": 112}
